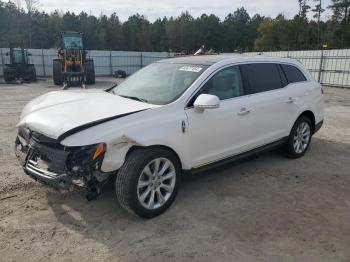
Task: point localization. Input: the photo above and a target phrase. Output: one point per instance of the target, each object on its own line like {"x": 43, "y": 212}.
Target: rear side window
{"x": 293, "y": 74}
{"x": 261, "y": 77}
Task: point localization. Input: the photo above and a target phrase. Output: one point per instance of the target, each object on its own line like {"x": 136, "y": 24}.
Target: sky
{"x": 152, "y": 9}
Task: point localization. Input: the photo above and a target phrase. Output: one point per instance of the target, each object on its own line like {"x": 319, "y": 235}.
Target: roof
{"x": 212, "y": 59}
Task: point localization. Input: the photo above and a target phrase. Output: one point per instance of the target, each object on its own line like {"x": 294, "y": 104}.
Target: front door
{"x": 218, "y": 133}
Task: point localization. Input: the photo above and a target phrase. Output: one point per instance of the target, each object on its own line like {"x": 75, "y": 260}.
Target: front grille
{"x": 53, "y": 156}
{"x": 38, "y": 146}
{"x": 44, "y": 159}
{"x": 33, "y": 167}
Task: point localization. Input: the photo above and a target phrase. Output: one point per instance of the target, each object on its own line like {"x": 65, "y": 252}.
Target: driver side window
{"x": 225, "y": 84}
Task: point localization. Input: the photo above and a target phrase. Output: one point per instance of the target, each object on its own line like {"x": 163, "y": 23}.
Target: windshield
{"x": 18, "y": 56}
{"x": 159, "y": 83}
{"x": 75, "y": 42}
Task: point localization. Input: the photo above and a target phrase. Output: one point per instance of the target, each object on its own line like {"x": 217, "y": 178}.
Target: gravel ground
{"x": 266, "y": 209}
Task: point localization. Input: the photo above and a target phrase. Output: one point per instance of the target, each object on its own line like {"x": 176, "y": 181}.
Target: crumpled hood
{"x": 58, "y": 112}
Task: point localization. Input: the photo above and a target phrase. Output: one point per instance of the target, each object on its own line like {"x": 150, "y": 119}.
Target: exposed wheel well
{"x": 155, "y": 146}
{"x": 311, "y": 116}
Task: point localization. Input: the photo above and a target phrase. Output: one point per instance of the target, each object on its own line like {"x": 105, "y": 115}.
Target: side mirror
{"x": 205, "y": 101}
{"x": 7, "y": 54}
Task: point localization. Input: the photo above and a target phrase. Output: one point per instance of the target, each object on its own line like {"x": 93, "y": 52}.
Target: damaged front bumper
{"x": 47, "y": 161}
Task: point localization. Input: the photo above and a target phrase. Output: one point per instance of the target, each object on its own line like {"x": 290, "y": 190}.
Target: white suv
{"x": 173, "y": 117}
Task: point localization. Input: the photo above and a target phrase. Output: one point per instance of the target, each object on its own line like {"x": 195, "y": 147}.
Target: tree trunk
{"x": 30, "y": 29}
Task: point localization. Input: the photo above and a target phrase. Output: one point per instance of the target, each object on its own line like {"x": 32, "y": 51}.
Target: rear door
{"x": 300, "y": 92}
{"x": 267, "y": 101}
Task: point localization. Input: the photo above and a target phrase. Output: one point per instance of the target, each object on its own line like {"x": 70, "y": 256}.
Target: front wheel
{"x": 148, "y": 181}
{"x": 300, "y": 138}
{"x": 57, "y": 72}
{"x": 90, "y": 72}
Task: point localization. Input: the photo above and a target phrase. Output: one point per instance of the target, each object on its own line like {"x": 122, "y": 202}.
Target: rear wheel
{"x": 300, "y": 137}
{"x": 9, "y": 75}
{"x": 57, "y": 72}
{"x": 90, "y": 72}
{"x": 148, "y": 181}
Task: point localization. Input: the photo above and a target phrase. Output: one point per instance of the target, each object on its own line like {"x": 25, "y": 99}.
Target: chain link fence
{"x": 106, "y": 62}
{"x": 329, "y": 67}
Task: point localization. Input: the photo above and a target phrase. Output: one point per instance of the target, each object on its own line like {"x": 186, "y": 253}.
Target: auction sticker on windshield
{"x": 191, "y": 69}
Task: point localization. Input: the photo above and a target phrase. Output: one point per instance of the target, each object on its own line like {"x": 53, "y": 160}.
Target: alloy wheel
{"x": 301, "y": 137}
{"x": 156, "y": 183}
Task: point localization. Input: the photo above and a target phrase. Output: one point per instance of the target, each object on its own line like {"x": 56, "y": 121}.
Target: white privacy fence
{"x": 106, "y": 62}
{"x": 329, "y": 67}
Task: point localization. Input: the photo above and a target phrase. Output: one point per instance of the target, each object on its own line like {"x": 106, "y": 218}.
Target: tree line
{"x": 237, "y": 32}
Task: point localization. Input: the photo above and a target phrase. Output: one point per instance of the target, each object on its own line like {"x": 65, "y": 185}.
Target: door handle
{"x": 290, "y": 100}
{"x": 244, "y": 111}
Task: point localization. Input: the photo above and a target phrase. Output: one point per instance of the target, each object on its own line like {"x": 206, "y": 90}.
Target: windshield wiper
{"x": 135, "y": 98}
{"x": 110, "y": 89}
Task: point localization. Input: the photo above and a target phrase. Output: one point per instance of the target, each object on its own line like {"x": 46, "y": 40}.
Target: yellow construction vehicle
{"x": 72, "y": 67}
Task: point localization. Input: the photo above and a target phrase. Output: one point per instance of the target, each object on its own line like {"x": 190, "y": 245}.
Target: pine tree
{"x": 341, "y": 10}
{"x": 318, "y": 10}
{"x": 303, "y": 8}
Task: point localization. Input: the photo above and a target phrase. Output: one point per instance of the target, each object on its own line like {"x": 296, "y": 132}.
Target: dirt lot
{"x": 267, "y": 209}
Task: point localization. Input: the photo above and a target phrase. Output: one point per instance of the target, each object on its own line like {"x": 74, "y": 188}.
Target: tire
{"x": 57, "y": 73}
{"x": 31, "y": 73}
{"x": 296, "y": 137}
{"x": 90, "y": 72}
{"x": 132, "y": 175}
{"x": 9, "y": 75}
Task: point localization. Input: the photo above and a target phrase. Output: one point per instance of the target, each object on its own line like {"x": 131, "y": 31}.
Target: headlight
{"x": 86, "y": 155}
{"x": 24, "y": 133}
